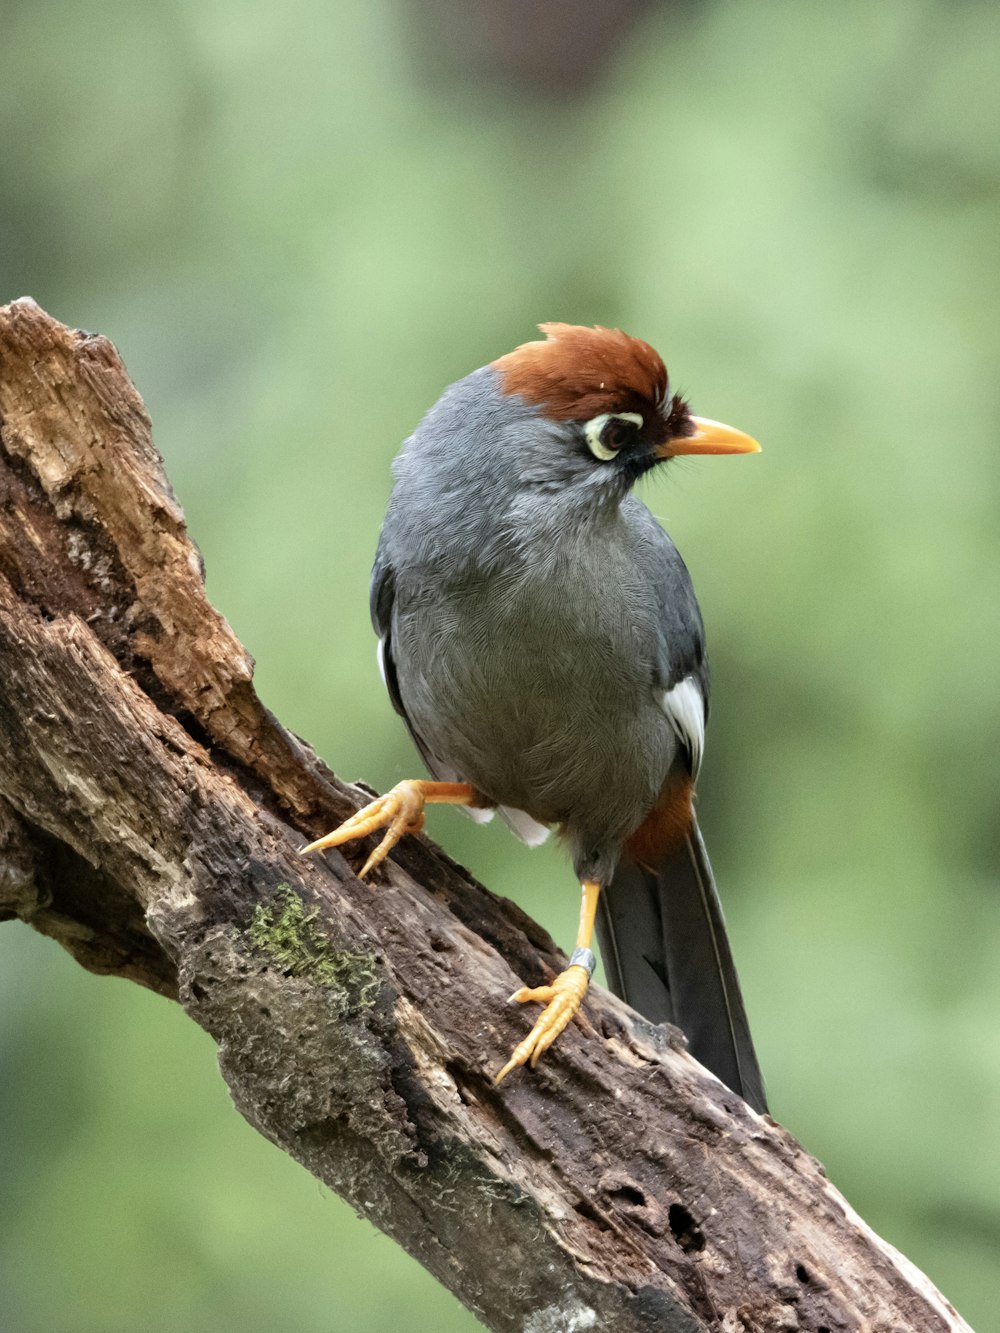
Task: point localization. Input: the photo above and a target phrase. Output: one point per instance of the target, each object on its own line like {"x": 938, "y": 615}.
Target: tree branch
{"x": 151, "y": 815}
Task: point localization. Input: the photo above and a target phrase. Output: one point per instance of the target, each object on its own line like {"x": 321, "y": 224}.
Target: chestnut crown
{"x": 579, "y": 373}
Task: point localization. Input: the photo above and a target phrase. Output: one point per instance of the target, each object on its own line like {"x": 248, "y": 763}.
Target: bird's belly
{"x": 542, "y": 704}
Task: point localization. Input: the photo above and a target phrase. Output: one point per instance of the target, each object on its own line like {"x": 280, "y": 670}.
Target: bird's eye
{"x": 611, "y": 431}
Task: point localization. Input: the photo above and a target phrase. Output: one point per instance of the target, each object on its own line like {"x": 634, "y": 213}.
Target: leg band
{"x": 583, "y": 958}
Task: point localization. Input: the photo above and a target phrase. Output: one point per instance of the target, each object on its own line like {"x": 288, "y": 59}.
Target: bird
{"x": 540, "y": 637}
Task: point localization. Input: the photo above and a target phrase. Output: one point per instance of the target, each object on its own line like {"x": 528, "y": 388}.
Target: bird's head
{"x": 541, "y": 442}
{"x": 609, "y": 397}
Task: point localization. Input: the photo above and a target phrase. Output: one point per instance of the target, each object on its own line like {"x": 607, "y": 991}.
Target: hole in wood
{"x": 631, "y": 1195}
{"x": 684, "y": 1229}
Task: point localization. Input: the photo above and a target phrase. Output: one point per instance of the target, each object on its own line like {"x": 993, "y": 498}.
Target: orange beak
{"x": 711, "y": 437}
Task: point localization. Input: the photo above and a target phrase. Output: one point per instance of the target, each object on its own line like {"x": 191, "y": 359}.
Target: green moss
{"x": 287, "y": 936}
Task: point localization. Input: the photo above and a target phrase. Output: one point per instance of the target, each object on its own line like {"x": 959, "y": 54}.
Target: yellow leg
{"x": 399, "y": 811}
{"x": 563, "y": 998}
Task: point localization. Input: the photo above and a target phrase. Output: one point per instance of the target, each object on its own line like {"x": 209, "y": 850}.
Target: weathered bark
{"x": 151, "y": 815}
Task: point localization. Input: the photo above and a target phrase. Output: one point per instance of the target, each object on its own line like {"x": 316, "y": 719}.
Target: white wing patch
{"x": 380, "y": 654}
{"x": 527, "y": 829}
{"x": 684, "y": 706}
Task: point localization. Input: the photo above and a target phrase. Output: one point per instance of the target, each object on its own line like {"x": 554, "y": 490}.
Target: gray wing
{"x": 381, "y": 602}
{"x": 381, "y": 597}
{"x": 680, "y": 671}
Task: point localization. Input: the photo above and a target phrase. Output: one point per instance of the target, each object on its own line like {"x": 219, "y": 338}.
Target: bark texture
{"x": 150, "y": 814}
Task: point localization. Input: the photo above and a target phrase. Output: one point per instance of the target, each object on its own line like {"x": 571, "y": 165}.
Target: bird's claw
{"x": 562, "y": 999}
{"x": 399, "y": 811}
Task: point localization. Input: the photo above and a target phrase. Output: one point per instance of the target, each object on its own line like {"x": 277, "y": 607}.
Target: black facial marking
{"x": 679, "y": 423}
{"x": 635, "y": 463}
{"x": 635, "y": 447}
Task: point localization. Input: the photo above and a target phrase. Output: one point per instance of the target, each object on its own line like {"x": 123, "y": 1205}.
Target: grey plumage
{"x": 532, "y": 613}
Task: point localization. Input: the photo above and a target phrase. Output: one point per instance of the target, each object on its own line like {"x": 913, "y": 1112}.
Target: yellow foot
{"x": 562, "y": 999}
{"x": 399, "y": 811}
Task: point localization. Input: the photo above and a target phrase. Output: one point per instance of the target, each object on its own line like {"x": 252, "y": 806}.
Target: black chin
{"x": 636, "y": 463}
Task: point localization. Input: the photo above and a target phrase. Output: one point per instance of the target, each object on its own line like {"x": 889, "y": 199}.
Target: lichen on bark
{"x": 294, "y": 941}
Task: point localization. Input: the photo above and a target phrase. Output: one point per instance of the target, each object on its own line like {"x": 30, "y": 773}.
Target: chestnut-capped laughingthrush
{"x": 541, "y": 639}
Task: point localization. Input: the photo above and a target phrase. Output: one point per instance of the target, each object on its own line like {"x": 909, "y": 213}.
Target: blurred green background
{"x": 298, "y": 223}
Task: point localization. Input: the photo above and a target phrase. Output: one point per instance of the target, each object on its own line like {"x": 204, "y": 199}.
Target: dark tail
{"x": 663, "y": 941}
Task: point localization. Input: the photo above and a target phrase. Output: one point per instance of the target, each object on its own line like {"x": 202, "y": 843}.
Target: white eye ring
{"x": 595, "y": 427}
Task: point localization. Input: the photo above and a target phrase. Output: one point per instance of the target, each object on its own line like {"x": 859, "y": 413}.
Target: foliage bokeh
{"x": 298, "y": 223}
